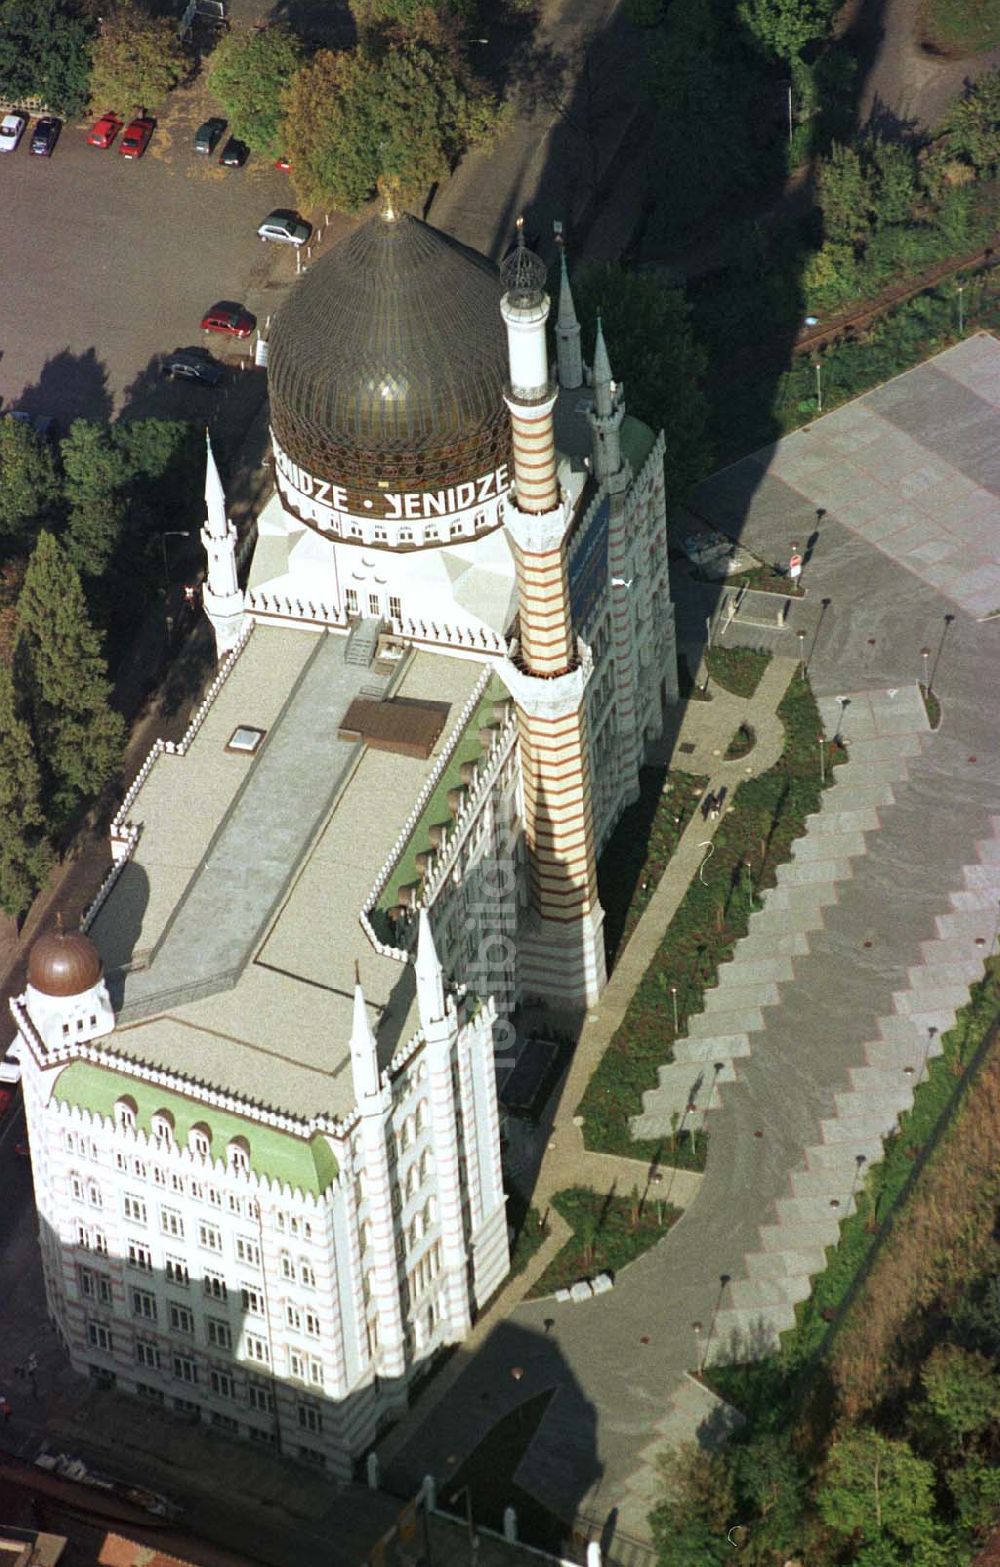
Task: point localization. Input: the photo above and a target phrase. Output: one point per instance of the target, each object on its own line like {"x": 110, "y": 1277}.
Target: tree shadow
{"x": 70, "y": 386}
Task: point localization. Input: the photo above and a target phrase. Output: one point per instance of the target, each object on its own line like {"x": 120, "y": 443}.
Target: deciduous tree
{"x": 962, "y": 1391}
{"x": 45, "y": 53}
{"x": 60, "y": 668}
{"x": 875, "y": 1487}
{"x": 973, "y": 125}
{"x": 695, "y": 1510}
{"x": 25, "y": 854}
{"x": 249, "y": 73}
{"x": 136, "y": 59}
{"x": 845, "y": 195}
{"x": 784, "y": 27}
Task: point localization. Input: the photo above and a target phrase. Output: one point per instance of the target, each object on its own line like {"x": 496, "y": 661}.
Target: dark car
{"x": 45, "y": 136}
{"x": 234, "y": 153}
{"x": 208, "y": 136}
{"x": 188, "y": 366}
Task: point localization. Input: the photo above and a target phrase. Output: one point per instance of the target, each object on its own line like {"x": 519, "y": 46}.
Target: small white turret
{"x": 364, "y": 1054}
{"x": 430, "y": 976}
{"x": 608, "y": 413}
{"x": 568, "y": 352}
{"x": 221, "y": 594}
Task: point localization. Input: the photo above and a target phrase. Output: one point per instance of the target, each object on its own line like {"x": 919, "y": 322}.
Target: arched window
{"x": 287, "y": 1267}
{"x": 125, "y": 1111}
{"x": 238, "y": 1155}
{"x": 200, "y": 1140}
{"x": 430, "y": 1212}
{"x": 420, "y": 1120}
{"x": 426, "y": 1164}
{"x": 365, "y": 1236}
{"x": 163, "y": 1128}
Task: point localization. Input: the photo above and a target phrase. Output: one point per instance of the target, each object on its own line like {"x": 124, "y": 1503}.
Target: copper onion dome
{"x": 387, "y": 362}
{"x": 64, "y": 963}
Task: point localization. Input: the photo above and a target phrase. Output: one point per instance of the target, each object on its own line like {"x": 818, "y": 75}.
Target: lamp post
{"x": 171, "y": 533}
{"x": 819, "y": 386}
{"x": 470, "y": 1525}
{"x": 925, "y": 654}
{"x": 673, "y": 997}
{"x": 961, "y": 320}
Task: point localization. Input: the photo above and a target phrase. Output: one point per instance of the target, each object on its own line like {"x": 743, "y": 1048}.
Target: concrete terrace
{"x": 249, "y": 874}
{"x": 868, "y": 944}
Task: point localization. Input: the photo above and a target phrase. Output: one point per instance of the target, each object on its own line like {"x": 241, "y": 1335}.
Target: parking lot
{"x": 109, "y": 264}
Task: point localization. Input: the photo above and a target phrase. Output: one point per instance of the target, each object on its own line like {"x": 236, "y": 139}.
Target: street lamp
{"x": 171, "y": 533}
{"x": 925, "y": 654}
{"x": 961, "y": 322}
{"x": 819, "y": 386}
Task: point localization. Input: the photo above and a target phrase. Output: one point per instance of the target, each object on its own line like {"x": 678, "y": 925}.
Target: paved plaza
{"x": 880, "y": 931}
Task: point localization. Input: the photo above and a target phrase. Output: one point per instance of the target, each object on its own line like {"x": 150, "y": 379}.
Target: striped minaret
{"x": 562, "y": 953}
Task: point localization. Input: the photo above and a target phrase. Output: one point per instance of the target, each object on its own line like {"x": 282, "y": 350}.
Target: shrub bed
{"x": 608, "y": 1233}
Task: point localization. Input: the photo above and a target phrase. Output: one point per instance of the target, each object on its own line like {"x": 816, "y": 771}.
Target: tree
{"x": 25, "y": 854}
{"x": 874, "y": 1487}
{"x": 647, "y": 326}
{"x": 249, "y": 74}
{"x": 60, "y": 667}
{"x": 973, "y": 125}
{"x": 784, "y": 27}
{"x": 136, "y": 59}
{"x": 370, "y": 14}
{"x": 45, "y": 53}
{"x": 695, "y": 1510}
{"x": 962, "y": 1392}
{"x": 95, "y": 474}
{"x": 770, "y": 1493}
{"x": 894, "y": 170}
{"x": 845, "y": 196}
{"x": 29, "y": 488}
{"x": 400, "y": 105}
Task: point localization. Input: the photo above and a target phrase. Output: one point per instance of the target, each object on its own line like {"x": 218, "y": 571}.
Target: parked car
{"x": 229, "y": 318}
{"x": 11, "y": 131}
{"x": 136, "y": 138}
{"x": 284, "y": 228}
{"x": 189, "y": 366}
{"x": 44, "y": 136}
{"x": 10, "y": 1069}
{"x": 208, "y": 135}
{"x": 103, "y": 132}
{"x": 234, "y": 154}
{"x": 284, "y": 163}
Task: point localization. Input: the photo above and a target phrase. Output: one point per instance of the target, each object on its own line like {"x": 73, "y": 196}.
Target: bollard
{"x": 430, "y": 1493}
{"x": 594, "y": 1553}
{"x": 510, "y": 1524}
{"x": 372, "y": 1471}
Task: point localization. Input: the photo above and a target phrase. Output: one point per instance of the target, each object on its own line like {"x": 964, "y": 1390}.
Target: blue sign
{"x": 588, "y": 568}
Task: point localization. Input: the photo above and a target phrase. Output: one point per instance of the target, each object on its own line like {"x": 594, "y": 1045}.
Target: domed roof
{"x": 64, "y": 963}
{"x": 388, "y": 360}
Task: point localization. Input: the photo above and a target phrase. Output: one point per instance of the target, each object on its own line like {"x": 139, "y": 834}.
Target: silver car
{"x": 11, "y": 131}
{"x": 284, "y": 228}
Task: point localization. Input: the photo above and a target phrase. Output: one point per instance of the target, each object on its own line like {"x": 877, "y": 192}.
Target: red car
{"x": 229, "y": 318}
{"x": 136, "y": 139}
{"x": 104, "y": 132}
{"x": 284, "y": 163}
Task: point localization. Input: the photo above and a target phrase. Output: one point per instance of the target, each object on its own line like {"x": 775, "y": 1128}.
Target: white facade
{"x": 175, "y": 1269}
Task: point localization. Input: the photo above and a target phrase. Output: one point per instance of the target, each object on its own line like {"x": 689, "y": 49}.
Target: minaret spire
{"x": 364, "y": 1055}
{"x": 608, "y": 412}
{"x": 221, "y": 593}
{"x": 430, "y": 975}
{"x": 568, "y": 351}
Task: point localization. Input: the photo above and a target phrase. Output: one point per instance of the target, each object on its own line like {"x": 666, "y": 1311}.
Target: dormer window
{"x": 200, "y": 1140}
{"x": 238, "y": 1156}
{"x": 125, "y": 1111}
{"x": 163, "y": 1128}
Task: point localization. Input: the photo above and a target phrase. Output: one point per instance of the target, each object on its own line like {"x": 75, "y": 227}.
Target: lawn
{"x": 756, "y": 835}
{"x": 608, "y": 1233}
{"x": 960, "y": 27}
{"x": 529, "y": 1231}
{"x": 737, "y": 669}
{"x": 638, "y": 851}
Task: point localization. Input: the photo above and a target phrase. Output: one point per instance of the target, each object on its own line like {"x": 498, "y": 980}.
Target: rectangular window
{"x": 316, "y": 1373}
{"x": 181, "y": 1319}
{"x": 177, "y": 1271}
{"x": 215, "y": 1286}
{"x": 253, "y": 1301}
{"x": 312, "y": 1324}
{"x": 260, "y": 1397}
{"x": 350, "y": 601}
{"x": 293, "y": 1317}
{"x": 159, "y": 1176}
{"x": 210, "y": 1237}
{"x": 307, "y": 1275}
{"x": 100, "y": 1242}
{"x": 177, "y": 1182}
{"x": 121, "y": 1163}
{"x": 153, "y": 1395}
{"x": 214, "y": 1196}
{"x": 139, "y": 1169}
{"x": 171, "y": 1222}
{"x": 100, "y": 1336}
{"x": 309, "y": 1455}
{"x": 82, "y": 1236}
{"x": 374, "y": 604}
{"x": 105, "y": 1293}
{"x": 147, "y": 1354}
{"x": 134, "y": 1208}
{"x": 395, "y": 607}
{"x": 185, "y": 1368}
{"x": 87, "y": 1283}
{"x": 140, "y": 1256}
{"x": 225, "y": 1422}
{"x": 256, "y": 1349}
{"x": 219, "y": 1334}
{"x": 297, "y": 1365}
{"x": 76, "y": 1187}
{"x": 310, "y": 1418}
{"x": 144, "y": 1305}
{"x": 222, "y": 1384}
{"x": 247, "y": 1251}
{"x": 196, "y": 1191}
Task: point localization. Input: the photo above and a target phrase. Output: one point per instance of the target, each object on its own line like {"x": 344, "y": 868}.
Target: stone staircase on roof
{"x": 362, "y": 643}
